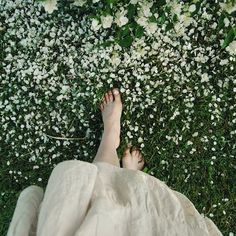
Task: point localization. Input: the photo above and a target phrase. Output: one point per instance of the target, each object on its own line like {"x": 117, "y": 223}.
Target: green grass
{"x": 192, "y": 174}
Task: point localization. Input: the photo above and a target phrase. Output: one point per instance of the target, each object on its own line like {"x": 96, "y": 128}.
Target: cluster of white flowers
{"x": 178, "y": 87}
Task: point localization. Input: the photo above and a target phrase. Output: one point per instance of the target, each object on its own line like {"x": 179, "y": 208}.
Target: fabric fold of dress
{"x": 100, "y": 199}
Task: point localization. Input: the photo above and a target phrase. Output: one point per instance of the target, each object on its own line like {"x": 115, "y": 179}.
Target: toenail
{"x": 115, "y": 91}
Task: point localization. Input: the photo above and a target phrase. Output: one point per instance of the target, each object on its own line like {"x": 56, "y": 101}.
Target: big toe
{"x": 116, "y": 94}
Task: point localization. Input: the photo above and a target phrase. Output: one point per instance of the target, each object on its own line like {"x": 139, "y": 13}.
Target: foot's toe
{"x": 116, "y": 94}
{"x": 140, "y": 157}
{"x": 101, "y": 106}
{"x": 104, "y": 101}
{"x": 135, "y": 152}
{"x": 127, "y": 151}
{"x": 141, "y": 165}
{"x": 110, "y": 96}
{"x": 107, "y": 98}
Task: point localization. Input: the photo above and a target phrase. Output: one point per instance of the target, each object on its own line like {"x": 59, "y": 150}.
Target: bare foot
{"x": 132, "y": 160}
{"x": 111, "y": 108}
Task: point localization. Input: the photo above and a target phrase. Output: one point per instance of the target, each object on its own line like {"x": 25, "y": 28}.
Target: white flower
{"x": 226, "y": 22}
{"x": 133, "y": 2}
{"x": 79, "y": 3}
{"x": 106, "y": 21}
{"x": 231, "y": 48}
{"x": 214, "y": 25}
{"x": 186, "y": 20}
{"x": 121, "y": 19}
{"x": 140, "y": 140}
{"x": 224, "y": 62}
{"x": 205, "y": 77}
{"x": 115, "y": 60}
{"x": 189, "y": 142}
{"x": 60, "y": 97}
{"x": 151, "y": 28}
{"x": 192, "y": 8}
{"x": 228, "y": 7}
{"x": 179, "y": 28}
{"x": 146, "y": 9}
{"x": 64, "y": 89}
{"x": 95, "y": 25}
{"x": 50, "y": 5}
{"x": 88, "y": 133}
{"x": 142, "y": 21}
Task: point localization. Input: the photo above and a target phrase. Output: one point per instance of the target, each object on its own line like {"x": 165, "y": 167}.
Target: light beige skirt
{"x": 88, "y": 199}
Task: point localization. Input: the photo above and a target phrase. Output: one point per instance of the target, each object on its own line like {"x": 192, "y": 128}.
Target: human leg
{"x": 111, "y": 108}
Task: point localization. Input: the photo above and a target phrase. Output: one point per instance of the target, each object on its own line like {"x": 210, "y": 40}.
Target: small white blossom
{"x": 106, "y": 21}
{"x": 50, "y": 5}
{"x": 192, "y": 8}
{"x": 79, "y": 3}
{"x": 120, "y": 18}
{"x": 228, "y": 7}
{"x": 142, "y": 21}
{"x": 133, "y": 2}
{"x": 140, "y": 140}
{"x": 224, "y": 62}
{"x": 151, "y": 28}
{"x": 226, "y": 22}
{"x": 204, "y": 77}
{"x": 115, "y": 59}
{"x": 231, "y": 48}
{"x": 95, "y": 25}
{"x": 189, "y": 142}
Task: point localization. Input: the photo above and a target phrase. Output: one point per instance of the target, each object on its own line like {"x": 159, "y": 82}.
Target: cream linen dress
{"x": 100, "y": 199}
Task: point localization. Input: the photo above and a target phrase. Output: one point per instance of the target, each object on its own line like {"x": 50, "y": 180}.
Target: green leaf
{"x": 124, "y": 30}
{"x": 111, "y": 1}
{"x": 152, "y": 18}
{"x": 107, "y": 43}
{"x": 126, "y": 41}
{"x": 139, "y": 31}
{"x": 132, "y": 9}
{"x": 169, "y": 26}
{"x": 161, "y": 19}
{"x": 221, "y": 21}
{"x": 229, "y": 37}
{"x": 175, "y": 18}
{"x": 158, "y": 4}
{"x": 233, "y": 14}
{"x": 106, "y": 11}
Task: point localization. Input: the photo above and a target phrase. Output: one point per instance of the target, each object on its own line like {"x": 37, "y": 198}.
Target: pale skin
{"x": 111, "y": 108}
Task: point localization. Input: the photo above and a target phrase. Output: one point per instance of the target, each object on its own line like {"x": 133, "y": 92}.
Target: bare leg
{"x": 111, "y": 108}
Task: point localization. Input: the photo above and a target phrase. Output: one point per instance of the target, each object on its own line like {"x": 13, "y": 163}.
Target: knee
{"x": 33, "y": 191}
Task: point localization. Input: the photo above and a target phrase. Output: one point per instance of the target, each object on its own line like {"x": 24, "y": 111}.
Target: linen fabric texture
{"x": 100, "y": 199}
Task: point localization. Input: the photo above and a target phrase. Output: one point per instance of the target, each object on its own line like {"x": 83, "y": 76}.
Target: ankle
{"x": 111, "y": 126}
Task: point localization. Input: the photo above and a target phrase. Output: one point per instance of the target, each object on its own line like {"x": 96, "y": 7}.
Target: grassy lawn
{"x": 175, "y": 64}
